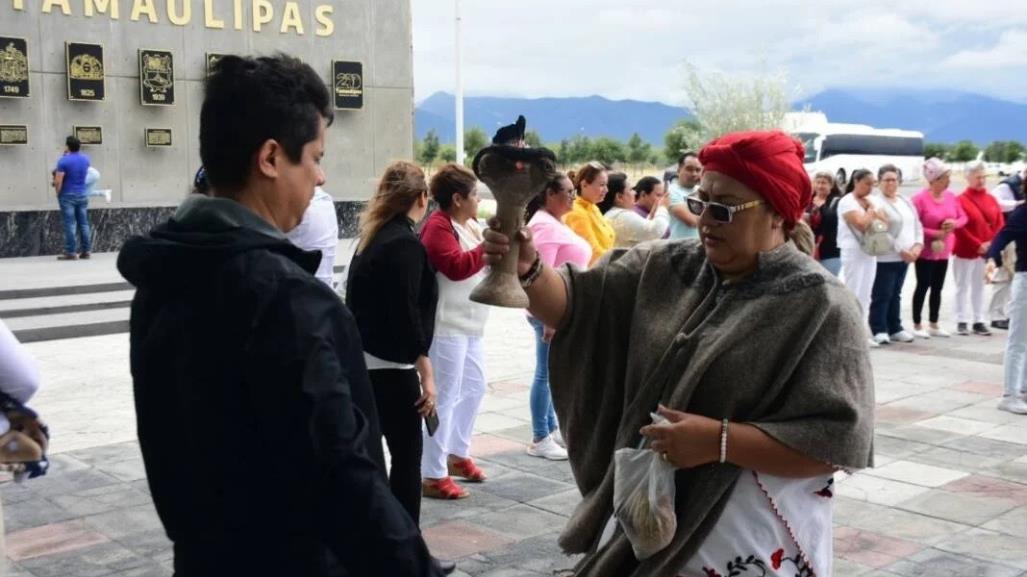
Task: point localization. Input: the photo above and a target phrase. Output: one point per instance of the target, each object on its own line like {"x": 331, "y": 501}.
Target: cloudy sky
{"x": 637, "y": 48}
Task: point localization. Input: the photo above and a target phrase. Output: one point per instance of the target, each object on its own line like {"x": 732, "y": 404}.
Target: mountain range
{"x": 943, "y": 116}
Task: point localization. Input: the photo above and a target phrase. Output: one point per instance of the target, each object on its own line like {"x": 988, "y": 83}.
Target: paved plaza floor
{"x": 948, "y": 496}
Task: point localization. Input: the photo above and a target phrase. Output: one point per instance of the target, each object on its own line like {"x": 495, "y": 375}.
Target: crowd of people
{"x": 255, "y": 383}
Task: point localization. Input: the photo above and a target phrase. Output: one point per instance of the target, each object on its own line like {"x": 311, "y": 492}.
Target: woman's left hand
{"x": 687, "y": 441}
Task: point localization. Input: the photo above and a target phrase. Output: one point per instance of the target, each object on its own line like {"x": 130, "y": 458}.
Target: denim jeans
{"x": 833, "y": 265}
{"x": 74, "y": 214}
{"x": 543, "y": 416}
{"x": 1016, "y": 344}
{"x": 886, "y": 298}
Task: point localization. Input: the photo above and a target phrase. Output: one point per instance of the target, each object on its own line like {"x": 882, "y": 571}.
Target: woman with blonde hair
{"x": 984, "y": 220}
{"x": 585, "y": 218}
{"x": 392, "y": 292}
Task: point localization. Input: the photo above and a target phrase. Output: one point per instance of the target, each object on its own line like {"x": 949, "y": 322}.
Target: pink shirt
{"x": 556, "y": 242}
{"x": 932, "y": 213}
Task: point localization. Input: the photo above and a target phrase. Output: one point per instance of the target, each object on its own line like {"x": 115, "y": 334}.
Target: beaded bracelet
{"x": 529, "y": 278}
{"x": 723, "y": 441}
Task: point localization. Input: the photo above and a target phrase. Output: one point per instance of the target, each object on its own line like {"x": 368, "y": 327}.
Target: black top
{"x": 1015, "y": 230}
{"x": 256, "y": 419}
{"x": 824, "y": 222}
{"x": 392, "y": 291}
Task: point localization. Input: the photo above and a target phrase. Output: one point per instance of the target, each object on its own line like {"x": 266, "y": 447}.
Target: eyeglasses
{"x": 718, "y": 212}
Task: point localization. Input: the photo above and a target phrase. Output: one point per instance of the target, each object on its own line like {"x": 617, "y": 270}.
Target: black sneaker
{"x": 962, "y": 330}
{"x": 1004, "y": 325}
{"x": 981, "y": 329}
{"x": 84, "y": 256}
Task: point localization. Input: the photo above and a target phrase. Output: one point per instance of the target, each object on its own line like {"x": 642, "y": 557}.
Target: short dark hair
{"x": 684, "y": 156}
{"x": 73, "y": 143}
{"x": 888, "y": 168}
{"x": 646, "y": 184}
{"x": 451, "y": 179}
{"x": 248, "y": 101}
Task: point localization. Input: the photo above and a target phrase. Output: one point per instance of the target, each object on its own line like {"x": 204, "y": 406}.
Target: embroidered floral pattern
{"x": 826, "y": 491}
{"x": 802, "y": 569}
{"x": 753, "y": 566}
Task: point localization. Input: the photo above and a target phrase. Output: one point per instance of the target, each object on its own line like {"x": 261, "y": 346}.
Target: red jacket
{"x": 444, "y": 250}
{"x": 984, "y": 220}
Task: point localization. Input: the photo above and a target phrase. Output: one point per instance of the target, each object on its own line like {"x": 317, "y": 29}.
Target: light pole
{"x": 459, "y": 113}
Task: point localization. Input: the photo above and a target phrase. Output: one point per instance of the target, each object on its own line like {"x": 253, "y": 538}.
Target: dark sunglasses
{"x": 718, "y": 212}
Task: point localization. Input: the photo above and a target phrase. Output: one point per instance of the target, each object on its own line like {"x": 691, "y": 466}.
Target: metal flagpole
{"x": 459, "y": 113}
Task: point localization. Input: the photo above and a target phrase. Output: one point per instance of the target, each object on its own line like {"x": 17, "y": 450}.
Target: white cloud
{"x": 636, "y": 48}
{"x": 1009, "y": 52}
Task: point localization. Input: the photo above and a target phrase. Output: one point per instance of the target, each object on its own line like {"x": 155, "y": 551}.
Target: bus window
{"x": 871, "y": 144}
{"x": 809, "y": 141}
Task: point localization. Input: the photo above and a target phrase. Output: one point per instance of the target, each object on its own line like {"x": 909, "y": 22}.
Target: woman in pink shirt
{"x": 557, "y": 244}
{"x": 941, "y": 214}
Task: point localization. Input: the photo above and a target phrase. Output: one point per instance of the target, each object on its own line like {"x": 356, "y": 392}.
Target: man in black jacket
{"x": 255, "y": 415}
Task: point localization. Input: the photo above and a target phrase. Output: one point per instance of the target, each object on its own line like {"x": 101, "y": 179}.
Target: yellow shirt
{"x": 590, "y": 224}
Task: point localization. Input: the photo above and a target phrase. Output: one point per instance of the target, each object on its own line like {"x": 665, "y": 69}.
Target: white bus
{"x": 839, "y": 149}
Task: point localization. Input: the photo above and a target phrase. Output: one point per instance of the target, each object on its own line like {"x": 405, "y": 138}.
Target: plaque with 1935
{"x": 14, "y": 67}
{"x": 85, "y": 71}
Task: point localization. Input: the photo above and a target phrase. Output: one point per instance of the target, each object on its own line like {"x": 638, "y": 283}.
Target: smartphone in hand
{"x": 431, "y": 423}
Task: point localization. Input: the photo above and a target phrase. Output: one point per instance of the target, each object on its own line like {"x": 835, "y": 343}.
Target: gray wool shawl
{"x": 784, "y": 350}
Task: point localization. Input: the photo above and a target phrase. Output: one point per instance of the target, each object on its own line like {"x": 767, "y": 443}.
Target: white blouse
{"x": 631, "y": 228}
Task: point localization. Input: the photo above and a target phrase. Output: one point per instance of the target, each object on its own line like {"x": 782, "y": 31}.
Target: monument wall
{"x": 129, "y": 75}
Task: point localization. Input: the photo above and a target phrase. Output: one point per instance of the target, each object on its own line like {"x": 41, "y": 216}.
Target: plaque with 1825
{"x": 85, "y": 71}
{"x": 156, "y": 78}
{"x": 14, "y": 67}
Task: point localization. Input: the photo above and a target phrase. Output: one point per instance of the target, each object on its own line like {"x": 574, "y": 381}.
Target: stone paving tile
{"x": 33, "y": 512}
{"x": 905, "y": 525}
{"x": 523, "y": 487}
{"x": 845, "y": 568}
{"x": 988, "y": 389}
{"x": 1012, "y": 522}
{"x": 955, "y": 459}
{"x": 100, "y": 500}
{"x": 456, "y": 539}
{"x": 871, "y": 550}
{"x": 51, "y": 540}
{"x": 562, "y": 504}
{"x": 989, "y": 487}
{"x": 899, "y": 415}
{"x": 988, "y": 545}
{"x": 957, "y": 425}
{"x": 521, "y": 521}
{"x": 493, "y": 422}
{"x": 1011, "y": 433}
{"x": 897, "y": 447}
{"x": 937, "y": 563}
{"x": 990, "y": 447}
{"x": 917, "y": 473}
{"x": 920, "y": 434}
{"x": 95, "y": 561}
{"x": 125, "y": 522}
{"x": 486, "y": 445}
{"x": 876, "y": 490}
{"x": 959, "y": 507}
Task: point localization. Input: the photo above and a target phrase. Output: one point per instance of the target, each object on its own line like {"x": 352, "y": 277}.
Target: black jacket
{"x": 1015, "y": 230}
{"x": 255, "y": 415}
{"x": 392, "y": 291}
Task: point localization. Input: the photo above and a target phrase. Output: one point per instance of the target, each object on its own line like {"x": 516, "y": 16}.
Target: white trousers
{"x": 459, "y": 366}
{"x": 969, "y": 275}
{"x": 1016, "y": 344}
{"x": 858, "y": 272}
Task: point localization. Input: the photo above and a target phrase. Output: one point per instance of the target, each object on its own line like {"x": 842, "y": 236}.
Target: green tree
{"x": 474, "y": 140}
{"x": 447, "y": 153}
{"x": 723, "y": 103}
{"x": 429, "y": 149}
{"x": 1004, "y": 151}
{"x": 563, "y": 152}
{"x": 1015, "y": 151}
{"x": 608, "y": 151}
{"x": 681, "y": 137}
{"x": 580, "y": 150}
{"x": 963, "y": 151}
{"x": 936, "y": 150}
{"x": 638, "y": 150}
{"x": 533, "y": 139}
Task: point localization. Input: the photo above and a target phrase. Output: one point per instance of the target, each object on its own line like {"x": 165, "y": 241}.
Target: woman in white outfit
{"x": 629, "y": 227}
{"x": 452, "y": 238}
{"x": 856, "y": 211}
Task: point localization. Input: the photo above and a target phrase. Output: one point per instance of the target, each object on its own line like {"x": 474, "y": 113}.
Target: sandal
{"x": 443, "y": 488}
{"x": 466, "y": 469}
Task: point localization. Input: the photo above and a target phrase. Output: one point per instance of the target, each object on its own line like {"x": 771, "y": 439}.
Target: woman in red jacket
{"x": 984, "y": 220}
{"x": 452, "y": 239}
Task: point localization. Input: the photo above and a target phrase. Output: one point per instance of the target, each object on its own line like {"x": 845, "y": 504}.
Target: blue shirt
{"x": 678, "y": 228}
{"x": 74, "y": 165}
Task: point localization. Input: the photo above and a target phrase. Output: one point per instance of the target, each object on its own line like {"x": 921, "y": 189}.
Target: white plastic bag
{"x": 643, "y": 499}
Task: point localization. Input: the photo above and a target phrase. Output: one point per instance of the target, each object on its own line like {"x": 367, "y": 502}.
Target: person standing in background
{"x": 69, "y": 181}
{"x": 1010, "y": 194}
{"x": 629, "y": 227}
{"x": 1015, "y": 231}
{"x": 684, "y": 224}
{"x": 319, "y": 230}
{"x": 822, "y": 215}
{"x": 857, "y": 210}
{"x": 984, "y": 220}
{"x": 941, "y": 215}
{"x": 584, "y": 218}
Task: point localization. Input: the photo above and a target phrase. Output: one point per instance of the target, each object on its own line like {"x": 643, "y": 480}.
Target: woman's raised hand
{"x": 687, "y": 441}
{"x": 497, "y": 244}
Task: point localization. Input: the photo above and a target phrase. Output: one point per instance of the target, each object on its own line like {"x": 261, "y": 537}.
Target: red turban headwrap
{"x": 768, "y": 162}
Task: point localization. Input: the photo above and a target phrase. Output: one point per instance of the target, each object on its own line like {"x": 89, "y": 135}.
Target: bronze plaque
{"x": 14, "y": 134}
{"x": 156, "y": 78}
{"x": 85, "y": 71}
{"x": 88, "y": 134}
{"x": 158, "y": 137}
{"x": 348, "y": 84}
{"x": 212, "y": 59}
{"x": 14, "y": 67}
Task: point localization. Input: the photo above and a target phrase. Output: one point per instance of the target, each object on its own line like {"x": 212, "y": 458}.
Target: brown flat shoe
{"x": 84, "y": 256}
{"x": 68, "y": 256}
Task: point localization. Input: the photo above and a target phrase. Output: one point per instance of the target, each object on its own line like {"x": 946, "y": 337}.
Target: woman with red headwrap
{"x": 751, "y": 350}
